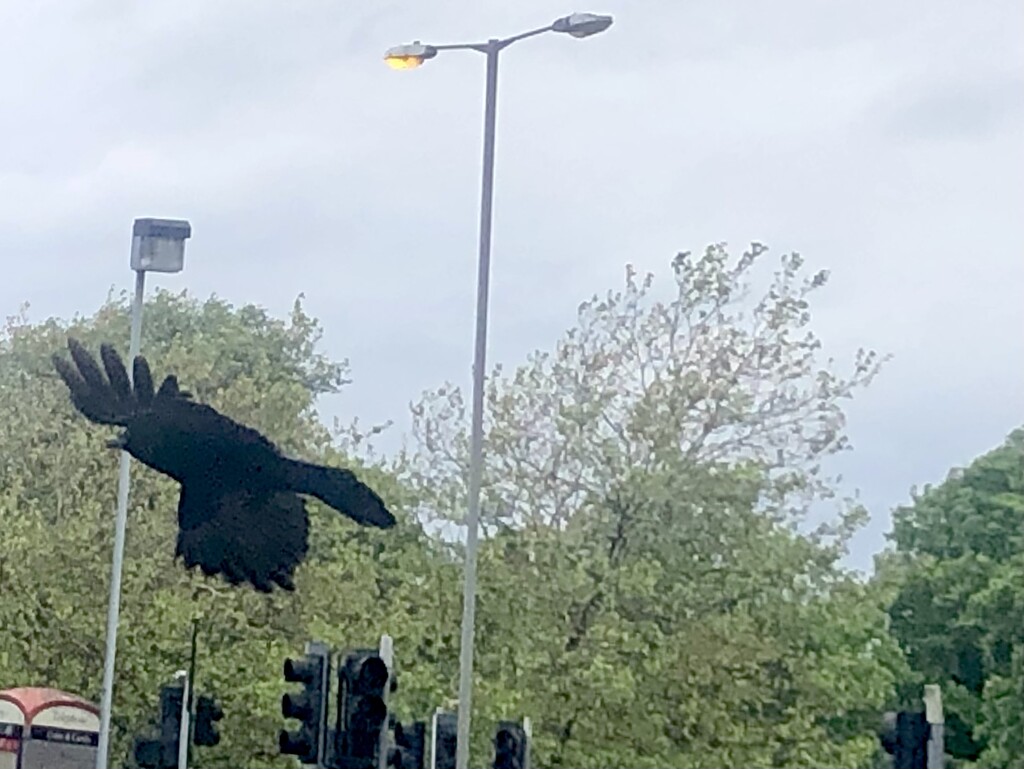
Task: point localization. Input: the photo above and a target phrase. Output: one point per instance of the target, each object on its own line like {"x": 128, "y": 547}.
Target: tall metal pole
{"x": 120, "y": 523}
{"x": 477, "y": 430}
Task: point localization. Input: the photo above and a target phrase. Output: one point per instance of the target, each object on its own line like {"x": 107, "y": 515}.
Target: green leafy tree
{"x": 959, "y": 560}
{"x": 680, "y": 627}
{"x": 646, "y": 594}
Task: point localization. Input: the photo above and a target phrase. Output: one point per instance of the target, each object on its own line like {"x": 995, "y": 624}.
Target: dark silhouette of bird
{"x": 239, "y": 514}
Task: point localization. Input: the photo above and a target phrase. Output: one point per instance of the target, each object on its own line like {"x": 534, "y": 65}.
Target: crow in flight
{"x": 239, "y": 513}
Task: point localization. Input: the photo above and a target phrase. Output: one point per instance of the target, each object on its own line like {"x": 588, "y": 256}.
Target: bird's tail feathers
{"x": 340, "y": 489}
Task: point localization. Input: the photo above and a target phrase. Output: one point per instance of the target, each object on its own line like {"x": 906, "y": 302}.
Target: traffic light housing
{"x": 148, "y": 754}
{"x": 510, "y": 746}
{"x": 162, "y": 752}
{"x": 912, "y": 732}
{"x": 172, "y": 700}
{"x": 307, "y": 706}
{"x": 904, "y": 736}
{"x": 208, "y": 712}
{"x": 410, "y": 747}
{"x": 362, "y": 709}
{"x": 446, "y": 740}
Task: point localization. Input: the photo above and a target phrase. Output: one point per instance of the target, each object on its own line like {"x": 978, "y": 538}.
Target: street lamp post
{"x": 158, "y": 245}
{"x": 411, "y": 56}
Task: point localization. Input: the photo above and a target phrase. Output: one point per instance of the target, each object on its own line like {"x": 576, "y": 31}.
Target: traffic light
{"x": 362, "y": 710}
{"x": 410, "y": 747}
{"x": 172, "y": 700}
{"x": 446, "y": 739}
{"x": 162, "y": 752}
{"x": 912, "y": 732}
{"x": 904, "y": 736}
{"x": 208, "y": 712}
{"x": 308, "y": 706}
{"x": 148, "y": 753}
{"x": 510, "y": 746}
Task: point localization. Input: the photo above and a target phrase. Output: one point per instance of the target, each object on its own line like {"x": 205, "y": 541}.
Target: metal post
{"x": 937, "y": 722}
{"x": 183, "y": 731}
{"x": 433, "y": 737}
{"x": 386, "y": 651}
{"x": 191, "y": 690}
{"x": 120, "y": 523}
{"x": 528, "y": 731}
{"x": 477, "y": 430}
{"x": 323, "y": 650}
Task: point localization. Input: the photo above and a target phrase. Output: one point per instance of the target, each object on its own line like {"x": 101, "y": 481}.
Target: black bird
{"x": 239, "y": 513}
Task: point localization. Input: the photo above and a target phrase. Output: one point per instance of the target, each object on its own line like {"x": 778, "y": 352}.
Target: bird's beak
{"x": 117, "y": 443}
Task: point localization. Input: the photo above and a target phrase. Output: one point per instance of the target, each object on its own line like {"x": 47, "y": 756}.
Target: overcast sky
{"x": 882, "y": 140}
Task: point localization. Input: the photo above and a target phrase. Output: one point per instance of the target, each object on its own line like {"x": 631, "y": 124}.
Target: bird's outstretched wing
{"x": 112, "y": 399}
{"x": 243, "y": 536}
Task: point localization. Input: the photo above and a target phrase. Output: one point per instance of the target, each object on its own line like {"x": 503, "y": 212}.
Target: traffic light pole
{"x": 528, "y": 729}
{"x": 386, "y": 651}
{"x": 183, "y": 731}
{"x": 936, "y": 722}
{"x": 186, "y": 709}
{"x": 433, "y": 737}
{"x": 320, "y": 649}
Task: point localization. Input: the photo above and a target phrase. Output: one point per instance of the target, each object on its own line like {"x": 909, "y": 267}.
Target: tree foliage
{"x": 643, "y": 488}
{"x": 650, "y": 592}
{"x": 707, "y": 377}
{"x": 959, "y": 612}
